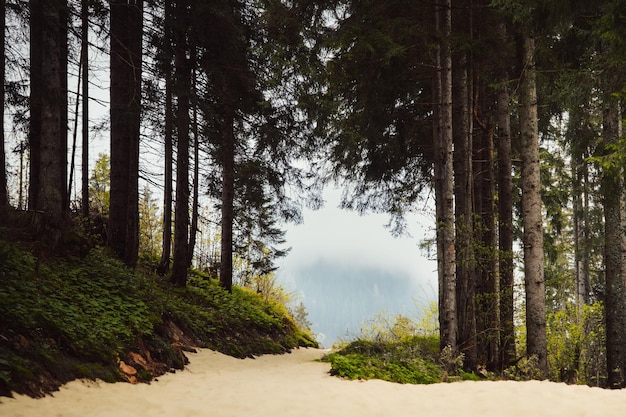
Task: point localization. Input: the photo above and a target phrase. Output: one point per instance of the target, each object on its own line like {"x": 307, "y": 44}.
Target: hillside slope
{"x": 69, "y": 317}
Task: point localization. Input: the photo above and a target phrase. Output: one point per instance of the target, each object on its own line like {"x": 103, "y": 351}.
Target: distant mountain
{"x": 340, "y": 298}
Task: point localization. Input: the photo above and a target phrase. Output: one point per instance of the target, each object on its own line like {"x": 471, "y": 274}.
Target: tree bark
{"x": 580, "y": 205}
{"x": 487, "y": 297}
{"x": 505, "y": 227}
{"x": 228, "y": 197}
{"x": 532, "y": 220}
{"x": 614, "y": 252}
{"x": 444, "y": 183}
{"x": 36, "y": 100}
{"x": 196, "y": 163}
{"x": 4, "y": 193}
{"x": 126, "y": 64}
{"x": 164, "y": 263}
{"x": 48, "y": 134}
{"x": 75, "y": 129}
{"x": 463, "y": 179}
{"x": 85, "y": 125}
{"x": 183, "y": 87}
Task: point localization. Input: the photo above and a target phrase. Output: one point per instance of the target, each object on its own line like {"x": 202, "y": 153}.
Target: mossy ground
{"x": 407, "y": 360}
{"x": 412, "y": 361}
{"x": 72, "y": 317}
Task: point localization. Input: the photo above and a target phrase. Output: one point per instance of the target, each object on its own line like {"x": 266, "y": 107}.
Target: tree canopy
{"x": 506, "y": 113}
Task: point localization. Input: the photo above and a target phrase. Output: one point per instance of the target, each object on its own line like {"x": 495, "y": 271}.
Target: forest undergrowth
{"x": 69, "y": 317}
{"x": 399, "y": 349}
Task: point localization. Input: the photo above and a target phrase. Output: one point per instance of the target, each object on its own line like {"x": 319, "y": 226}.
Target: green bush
{"x": 576, "y": 340}
{"x": 391, "y": 348}
{"x": 409, "y": 362}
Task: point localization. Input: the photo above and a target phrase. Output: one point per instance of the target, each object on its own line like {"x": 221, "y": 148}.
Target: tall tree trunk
{"x": 36, "y": 100}
{"x": 49, "y": 116}
{"x": 487, "y": 296}
{"x": 463, "y": 179}
{"x": 126, "y": 64}
{"x": 580, "y": 203}
{"x": 614, "y": 251}
{"x": 75, "y": 129}
{"x": 582, "y": 235}
{"x": 85, "y": 126}
{"x": 505, "y": 225}
{"x": 4, "y": 193}
{"x": 164, "y": 264}
{"x": 61, "y": 152}
{"x": 532, "y": 220}
{"x": 183, "y": 87}
{"x": 21, "y": 204}
{"x": 228, "y": 196}
{"x": 444, "y": 184}
{"x": 196, "y": 162}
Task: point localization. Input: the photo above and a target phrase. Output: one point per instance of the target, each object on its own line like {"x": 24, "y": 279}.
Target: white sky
{"x": 346, "y": 238}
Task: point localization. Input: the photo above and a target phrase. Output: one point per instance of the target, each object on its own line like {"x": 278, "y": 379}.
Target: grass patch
{"x": 397, "y": 349}
{"x": 411, "y": 361}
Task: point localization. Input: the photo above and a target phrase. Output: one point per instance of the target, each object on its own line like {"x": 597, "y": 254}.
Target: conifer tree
{"x": 48, "y": 105}
{"x": 532, "y": 220}
{"x": 126, "y": 71}
{"x": 182, "y": 89}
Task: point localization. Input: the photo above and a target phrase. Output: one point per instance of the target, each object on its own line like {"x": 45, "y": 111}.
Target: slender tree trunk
{"x": 614, "y": 252}
{"x": 4, "y": 193}
{"x": 228, "y": 197}
{"x": 532, "y": 220}
{"x": 164, "y": 264}
{"x": 126, "y": 64}
{"x": 444, "y": 185}
{"x": 487, "y": 298}
{"x": 36, "y": 100}
{"x": 75, "y": 129}
{"x": 49, "y": 119}
{"x": 581, "y": 235}
{"x": 463, "y": 179}
{"x": 61, "y": 152}
{"x": 580, "y": 203}
{"x": 505, "y": 227}
{"x": 21, "y": 204}
{"x": 183, "y": 87}
{"x": 85, "y": 126}
{"x": 196, "y": 164}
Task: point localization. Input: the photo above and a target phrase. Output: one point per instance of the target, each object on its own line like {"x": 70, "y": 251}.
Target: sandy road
{"x": 297, "y": 385}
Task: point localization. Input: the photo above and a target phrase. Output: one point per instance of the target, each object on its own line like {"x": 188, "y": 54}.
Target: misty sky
{"x": 335, "y": 244}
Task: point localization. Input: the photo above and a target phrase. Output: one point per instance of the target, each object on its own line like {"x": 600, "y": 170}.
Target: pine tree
{"x": 532, "y": 220}
{"x": 505, "y": 218}
{"x": 182, "y": 89}
{"x": 444, "y": 183}
{"x": 167, "y": 56}
{"x": 48, "y": 128}
{"x": 126, "y": 65}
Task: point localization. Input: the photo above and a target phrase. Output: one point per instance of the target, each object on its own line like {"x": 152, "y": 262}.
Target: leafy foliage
{"x": 100, "y": 185}
{"x": 396, "y": 349}
{"x": 576, "y": 345}
{"x": 408, "y": 362}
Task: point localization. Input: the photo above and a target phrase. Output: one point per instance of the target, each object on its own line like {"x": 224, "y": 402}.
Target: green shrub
{"x": 407, "y": 362}
{"x": 391, "y": 348}
{"x": 576, "y": 340}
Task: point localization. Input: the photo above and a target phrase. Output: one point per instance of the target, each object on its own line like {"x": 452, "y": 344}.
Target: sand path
{"x": 297, "y": 385}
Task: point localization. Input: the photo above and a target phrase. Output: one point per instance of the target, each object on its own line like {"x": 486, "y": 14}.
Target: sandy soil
{"x": 297, "y": 385}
